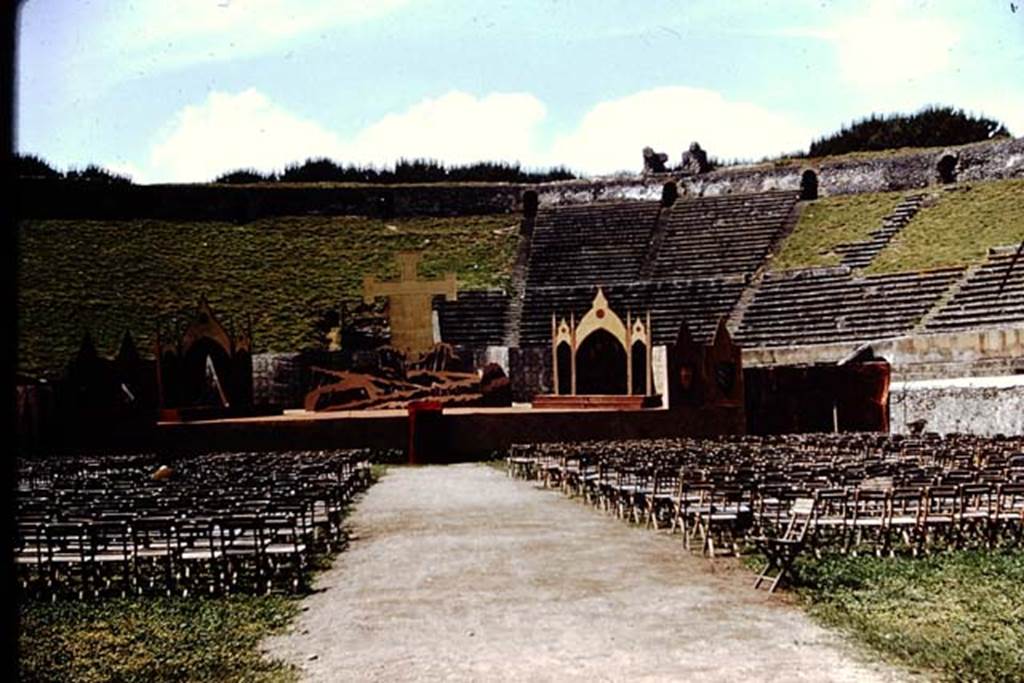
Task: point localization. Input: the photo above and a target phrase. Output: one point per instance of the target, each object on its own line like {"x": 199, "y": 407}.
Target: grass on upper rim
{"x": 831, "y": 221}
{"x": 958, "y": 229}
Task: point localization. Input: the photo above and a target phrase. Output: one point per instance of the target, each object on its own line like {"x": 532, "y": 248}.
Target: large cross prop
{"x": 412, "y": 329}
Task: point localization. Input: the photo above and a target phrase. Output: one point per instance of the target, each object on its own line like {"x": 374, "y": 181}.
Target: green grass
{"x": 959, "y": 615}
{"x": 826, "y": 223}
{"x": 153, "y": 640}
{"x": 109, "y": 276}
{"x": 958, "y": 229}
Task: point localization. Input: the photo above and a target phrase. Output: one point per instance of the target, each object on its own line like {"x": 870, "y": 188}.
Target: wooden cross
{"x": 409, "y": 299}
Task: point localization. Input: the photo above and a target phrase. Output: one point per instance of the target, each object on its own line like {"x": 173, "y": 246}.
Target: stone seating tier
{"x": 594, "y": 243}
{"x": 476, "y": 318}
{"x": 722, "y": 235}
{"x": 818, "y": 307}
{"x": 623, "y": 242}
{"x": 987, "y": 298}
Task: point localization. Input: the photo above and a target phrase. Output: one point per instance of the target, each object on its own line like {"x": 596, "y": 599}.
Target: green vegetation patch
{"x": 958, "y": 229}
{"x": 153, "y": 639}
{"x": 112, "y": 276}
{"x": 960, "y": 614}
{"x": 829, "y": 222}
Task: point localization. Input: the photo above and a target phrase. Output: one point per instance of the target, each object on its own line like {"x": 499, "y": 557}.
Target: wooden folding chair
{"x": 782, "y": 551}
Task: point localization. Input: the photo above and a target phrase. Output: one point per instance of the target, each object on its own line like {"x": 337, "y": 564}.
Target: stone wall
{"x": 997, "y": 351}
{"x": 982, "y": 405}
{"x": 530, "y": 372}
{"x": 913, "y": 169}
{"x": 40, "y": 198}
{"x": 278, "y": 379}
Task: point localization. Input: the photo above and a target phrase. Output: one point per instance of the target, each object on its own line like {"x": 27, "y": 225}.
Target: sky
{"x": 184, "y": 90}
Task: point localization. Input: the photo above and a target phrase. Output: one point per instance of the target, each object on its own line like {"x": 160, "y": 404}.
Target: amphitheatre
{"x": 530, "y": 431}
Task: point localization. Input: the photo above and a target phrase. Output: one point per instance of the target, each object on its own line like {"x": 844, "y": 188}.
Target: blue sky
{"x": 182, "y": 91}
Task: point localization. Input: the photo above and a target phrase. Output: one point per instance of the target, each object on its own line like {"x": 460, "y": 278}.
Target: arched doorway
{"x": 809, "y": 185}
{"x": 639, "y": 363}
{"x": 198, "y": 388}
{"x": 669, "y": 194}
{"x": 600, "y": 365}
{"x": 530, "y": 203}
{"x": 564, "y": 355}
{"x": 947, "y": 169}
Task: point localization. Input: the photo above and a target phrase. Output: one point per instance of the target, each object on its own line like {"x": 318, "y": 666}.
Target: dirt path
{"x": 460, "y": 573}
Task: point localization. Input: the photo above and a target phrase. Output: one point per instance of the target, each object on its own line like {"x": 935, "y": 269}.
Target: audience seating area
{"x": 827, "y": 306}
{"x": 692, "y": 260}
{"x": 598, "y": 244}
{"x": 476, "y": 318}
{"x": 239, "y": 522}
{"x": 860, "y": 493}
{"x": 991, "y": 296}
{"x": 721, "y": 236}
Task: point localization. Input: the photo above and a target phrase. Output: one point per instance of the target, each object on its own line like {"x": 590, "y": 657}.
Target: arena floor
{"x": 459, "y": 573}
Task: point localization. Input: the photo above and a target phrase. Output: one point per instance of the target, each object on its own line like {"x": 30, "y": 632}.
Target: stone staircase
{"x": 517, "y": 285}
{"x": 861, "y": 254}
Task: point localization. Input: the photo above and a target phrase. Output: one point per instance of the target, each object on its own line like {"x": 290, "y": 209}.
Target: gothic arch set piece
{"x": 206, "y": 367}
{"x": 602, "y": 352}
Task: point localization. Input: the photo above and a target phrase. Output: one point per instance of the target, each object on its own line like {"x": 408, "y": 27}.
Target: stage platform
{"x": 465, "y": 433}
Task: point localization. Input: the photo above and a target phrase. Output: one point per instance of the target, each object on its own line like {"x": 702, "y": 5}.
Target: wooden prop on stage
{"x": 208, "y": 373}
{"x": 409, "y": 303}
{"x": 705, "y": 374}
{"x": 600, "y": 351}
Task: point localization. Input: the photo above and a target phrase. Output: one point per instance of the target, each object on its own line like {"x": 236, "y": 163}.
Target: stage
{"x": 459, "y": 433}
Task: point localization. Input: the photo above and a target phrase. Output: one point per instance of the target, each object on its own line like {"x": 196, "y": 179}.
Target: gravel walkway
{"x": 459, "y": 573}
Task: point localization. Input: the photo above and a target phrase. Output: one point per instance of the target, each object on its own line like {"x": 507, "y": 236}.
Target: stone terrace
{"x": 702, "y": 258}
{"x": 687, "y": 262}
{"x": 720, "y": 236}
{"x": 831, "y": 305}
{"x": 988, "y": 296}
{"x": 591, "y": 243}
{"x": 476, "y": 318}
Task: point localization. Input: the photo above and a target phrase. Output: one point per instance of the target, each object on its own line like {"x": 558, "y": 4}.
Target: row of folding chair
{"x": 222, "y": 523}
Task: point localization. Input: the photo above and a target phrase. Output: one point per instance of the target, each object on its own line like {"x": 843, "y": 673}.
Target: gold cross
{"x": 409, "y": 302}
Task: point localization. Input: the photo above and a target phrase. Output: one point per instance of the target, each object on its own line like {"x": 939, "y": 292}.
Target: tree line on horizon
{"x": 934, "y": 126}
{"x": 930, "y": 127}
{"x": 324, "y": 170}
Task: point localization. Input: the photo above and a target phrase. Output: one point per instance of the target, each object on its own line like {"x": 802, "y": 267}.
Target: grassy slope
{"x": 153, "y": 639}
{"x": 117, "y": 275}
{"x": 958, "y": 229}
{"x": 959, "y": 614}
{"x": 828, "y": 222}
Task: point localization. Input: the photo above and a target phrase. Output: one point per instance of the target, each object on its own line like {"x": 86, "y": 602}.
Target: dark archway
{"x": 639, "y": 356}
{"x": 195, "y": 390}
{"x": 809, "y": 185}
{"x": 564, "y": 354}
{"x": 669, "y": 194}
{"x": 530, "y": 203}
{"x": 600, "y": 365}
{"x": 947, "y": 168}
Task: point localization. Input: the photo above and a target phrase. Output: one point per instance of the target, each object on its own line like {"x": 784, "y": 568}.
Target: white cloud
{"x": 232, "y": 131}
{"x": 892, "y": 43}
{"x": 458, "y": 128}
{"x": 1007, "y": 108}
{"x": 612, "y": 134}
{"x": 246, "y": 130}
